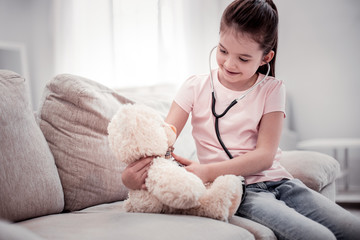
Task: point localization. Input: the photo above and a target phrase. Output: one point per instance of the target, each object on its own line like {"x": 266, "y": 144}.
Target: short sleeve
{"x": 185, "y": 96}
{"x": 275, "y": 100}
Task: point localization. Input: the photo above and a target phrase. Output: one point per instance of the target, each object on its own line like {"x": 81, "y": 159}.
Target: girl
{"x": 250, "y": 129}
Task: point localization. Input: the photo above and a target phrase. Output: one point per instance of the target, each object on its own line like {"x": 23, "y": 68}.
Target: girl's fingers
{"x": 144, "y": 176}
{"x": 141, "y": 164}
{"x": 144, "y": 172}
{"x": 134, "y": 174}
{"x": 182, "y": 160}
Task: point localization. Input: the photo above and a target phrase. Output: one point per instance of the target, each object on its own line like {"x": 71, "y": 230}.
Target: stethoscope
{"x": 217, "y": 116}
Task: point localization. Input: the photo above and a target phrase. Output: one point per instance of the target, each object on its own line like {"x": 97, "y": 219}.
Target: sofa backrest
{"x": 29, "y": 181}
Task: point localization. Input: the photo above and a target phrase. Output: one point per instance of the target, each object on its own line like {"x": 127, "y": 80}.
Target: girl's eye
{"x": 225, "y": 52}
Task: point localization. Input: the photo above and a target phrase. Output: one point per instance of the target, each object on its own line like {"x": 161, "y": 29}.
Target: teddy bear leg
{"x": 173, "y": 185}
{"x": 142, "y": 201}
{"x": 221, "y": 200}
{"x": 236, "y": 197}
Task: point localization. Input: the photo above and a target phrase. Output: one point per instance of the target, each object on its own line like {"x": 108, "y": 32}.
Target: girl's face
{"x": 239, "y": 57}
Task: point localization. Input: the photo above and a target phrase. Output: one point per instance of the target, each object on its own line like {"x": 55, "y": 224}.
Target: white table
{"x": 335, "y": 144}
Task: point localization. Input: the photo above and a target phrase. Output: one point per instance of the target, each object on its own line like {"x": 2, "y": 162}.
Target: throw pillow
{"x": 30, "y": 184}
{"x": 316, "y": 170}
{"x": 74, "y": 115}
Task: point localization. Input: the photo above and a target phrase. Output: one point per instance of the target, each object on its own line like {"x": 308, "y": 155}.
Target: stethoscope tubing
{"x": 213, "y": 95}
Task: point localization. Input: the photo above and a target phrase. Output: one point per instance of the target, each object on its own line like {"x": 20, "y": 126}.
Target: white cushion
{"x": 314, "y": 169}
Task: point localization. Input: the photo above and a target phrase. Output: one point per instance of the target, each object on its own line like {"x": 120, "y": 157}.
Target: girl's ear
{"x": 268, "y": 57}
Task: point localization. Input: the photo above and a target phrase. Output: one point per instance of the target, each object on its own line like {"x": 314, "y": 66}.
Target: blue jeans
{"x": 294, "y": 211}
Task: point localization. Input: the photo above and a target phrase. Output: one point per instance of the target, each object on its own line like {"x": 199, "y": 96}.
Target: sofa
{"x": 60, "y": 180}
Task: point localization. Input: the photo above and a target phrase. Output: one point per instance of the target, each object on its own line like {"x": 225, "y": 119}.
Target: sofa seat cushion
{"x": 74, "y": 115}
{"x": 30, "y": 184}
{"x": 11, "y": 231}
{"x": 316, "y": 170}
{"x": 259, "y": 231}
{"x": 109, "y": 221}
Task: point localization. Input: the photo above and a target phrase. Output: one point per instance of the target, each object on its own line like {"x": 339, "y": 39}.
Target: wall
{"x": 28, "y": 22}
{"x": 318, "y": 58}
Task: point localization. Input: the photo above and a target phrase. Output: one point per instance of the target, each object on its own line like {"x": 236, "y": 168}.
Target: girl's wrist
{"x": 210, "y": 172}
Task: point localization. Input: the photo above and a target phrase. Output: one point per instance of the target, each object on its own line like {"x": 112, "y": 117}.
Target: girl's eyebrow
{"x": 242, "y": 55}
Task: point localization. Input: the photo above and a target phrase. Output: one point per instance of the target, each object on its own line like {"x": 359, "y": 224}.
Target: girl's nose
{"x": 230, "y": 63}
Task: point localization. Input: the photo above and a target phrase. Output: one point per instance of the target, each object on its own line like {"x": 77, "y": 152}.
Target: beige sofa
{"x": 59, "y": 179}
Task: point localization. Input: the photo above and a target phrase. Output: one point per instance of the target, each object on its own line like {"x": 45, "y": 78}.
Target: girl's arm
{"x": 177, "y": 117}
{"x": 250, "y": 163}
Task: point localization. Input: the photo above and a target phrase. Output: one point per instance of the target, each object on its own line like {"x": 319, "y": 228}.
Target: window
{"x": 135, "y": 43}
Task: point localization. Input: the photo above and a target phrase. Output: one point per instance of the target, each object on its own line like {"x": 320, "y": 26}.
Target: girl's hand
{"x": 134, "y": 174}
{"x": 198, "y": 169}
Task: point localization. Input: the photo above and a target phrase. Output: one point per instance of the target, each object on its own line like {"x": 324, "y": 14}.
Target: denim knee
{"x": 317, "y": 232}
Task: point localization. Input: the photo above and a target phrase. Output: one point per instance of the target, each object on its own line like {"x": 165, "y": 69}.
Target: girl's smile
{"x": 230, "y": 72}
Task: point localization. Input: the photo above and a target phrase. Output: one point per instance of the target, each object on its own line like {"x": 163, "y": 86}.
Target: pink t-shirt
{"x": 239, "y": 127}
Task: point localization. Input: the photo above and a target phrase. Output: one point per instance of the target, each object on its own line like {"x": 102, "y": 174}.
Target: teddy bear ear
{"x": 136, "y": 131}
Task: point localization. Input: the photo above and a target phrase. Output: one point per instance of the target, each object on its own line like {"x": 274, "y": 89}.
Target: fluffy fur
{"x": 137, "y": 131}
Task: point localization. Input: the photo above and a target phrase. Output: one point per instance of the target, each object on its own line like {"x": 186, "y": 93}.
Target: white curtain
{"x": 123, "y": 43}
{"x": 83, "y": 38}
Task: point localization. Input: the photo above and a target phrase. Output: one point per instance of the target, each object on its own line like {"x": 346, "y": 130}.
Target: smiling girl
{"x": 251, "y": 131}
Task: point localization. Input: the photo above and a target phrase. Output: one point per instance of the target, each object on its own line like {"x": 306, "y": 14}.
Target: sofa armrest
{"x": 316, "y": 170}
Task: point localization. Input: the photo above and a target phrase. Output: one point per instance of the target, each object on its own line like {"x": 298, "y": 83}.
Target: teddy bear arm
{"x": 173, "y": 185}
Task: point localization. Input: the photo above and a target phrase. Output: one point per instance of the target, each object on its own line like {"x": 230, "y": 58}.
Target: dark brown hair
{"x": 259, "y": 19}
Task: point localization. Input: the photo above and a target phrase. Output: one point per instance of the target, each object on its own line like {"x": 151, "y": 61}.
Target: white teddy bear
{"x": 137, "y": 131}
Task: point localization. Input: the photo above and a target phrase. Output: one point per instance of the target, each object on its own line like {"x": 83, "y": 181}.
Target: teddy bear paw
{"x": 223, "y": 197}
